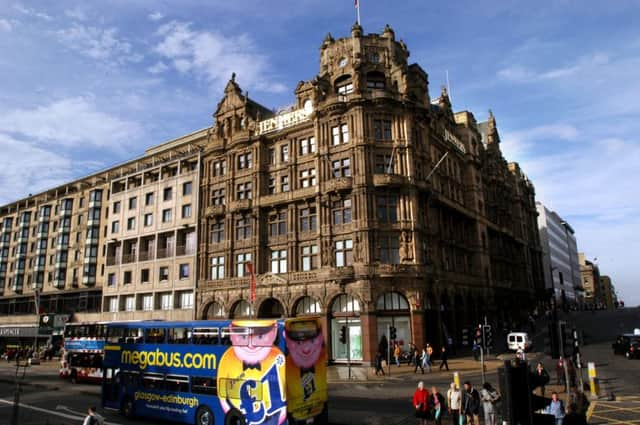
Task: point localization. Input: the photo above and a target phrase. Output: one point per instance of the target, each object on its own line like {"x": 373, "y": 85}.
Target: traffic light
{"x": 488, "y": 336}
{"x": 478, "y": 336}
{"x": 343, "y": 334}
{"x": 517, "y": 384}
{"x": 392, "y": 333}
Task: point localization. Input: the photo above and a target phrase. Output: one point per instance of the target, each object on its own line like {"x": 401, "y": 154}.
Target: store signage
{"x": 284, "y": 120}
{"x": 451, "y": 138}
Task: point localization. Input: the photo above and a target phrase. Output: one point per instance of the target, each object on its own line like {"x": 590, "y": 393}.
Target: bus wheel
{"x": 234, "y": 417}
{"x": 204, "y": 416}
{"x": 74, "y": 377}
{"x": 127, "y": 408}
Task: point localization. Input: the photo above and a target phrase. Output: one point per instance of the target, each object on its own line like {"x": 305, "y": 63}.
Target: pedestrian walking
{"x": 426, "y": 357}
{"x": 555, "y": 408}
{"x": 454, "y": 403}
{"x": 436, "y": 405}
{"x": 421, "y": 403}
{"x": 489, "y": 397}
{"x": 542, "y": 376}
{"x": 379, "y": 369}
{"x": 444, "y": 355}
{"x": 573, "y": 417}
{"x": 412, "y": 350}
{"x": 93, "y": 418}
{"x": 396, "y": 353}
{"x": 560, "y": 371}
{"x": 471, "y": 404}
{"x": 418, "y": 361}
{"x": 580, "y": 400}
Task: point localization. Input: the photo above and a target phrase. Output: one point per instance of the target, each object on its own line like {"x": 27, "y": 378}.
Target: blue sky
{"x": 84, "y": 85}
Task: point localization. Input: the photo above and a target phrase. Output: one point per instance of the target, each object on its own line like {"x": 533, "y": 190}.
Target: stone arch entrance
{"x": 392, "y": 309}
{"x": 306, "y": 305}
{"x": 345, "y": 311}
{"x": 271, "y": 308}
{"x": 241, "y": 310}
{"x": 213, "y": 310}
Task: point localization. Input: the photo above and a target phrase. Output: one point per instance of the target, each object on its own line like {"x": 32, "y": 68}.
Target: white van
{"x": 519, "y": 341}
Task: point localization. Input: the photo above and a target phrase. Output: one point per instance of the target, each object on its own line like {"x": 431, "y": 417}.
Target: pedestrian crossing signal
{"x": 488, "y": 336}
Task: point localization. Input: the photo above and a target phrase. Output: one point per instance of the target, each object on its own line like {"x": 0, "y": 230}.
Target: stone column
{"x": 369, "y": 327}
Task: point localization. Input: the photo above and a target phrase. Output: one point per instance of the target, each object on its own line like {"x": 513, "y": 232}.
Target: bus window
{"x": 179, "y": 335}
{"x": 152, "y": 381}
{"x": 115, "y": 336}
{"x": 225, "y": 335}
{"x": 203, "y": 385}
{"x": 177, "y": 383}
{"x": 205, "y": 336}
{"x": 155, "y": 336}
{"x": 133, "y": 335}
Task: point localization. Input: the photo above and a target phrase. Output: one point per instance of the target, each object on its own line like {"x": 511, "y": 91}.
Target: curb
{"x": 31, "y": 384}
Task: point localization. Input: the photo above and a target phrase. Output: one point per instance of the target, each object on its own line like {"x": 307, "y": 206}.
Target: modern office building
{"x": 560, "y": 258}
{"x": 369, "y": 203}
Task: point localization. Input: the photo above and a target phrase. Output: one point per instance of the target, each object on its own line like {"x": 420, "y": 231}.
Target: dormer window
{"x": 376, "y": 80}
{"x": 344, "y": 85}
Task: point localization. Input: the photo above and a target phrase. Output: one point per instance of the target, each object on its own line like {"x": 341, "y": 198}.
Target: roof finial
{"x": 233, "y": 77}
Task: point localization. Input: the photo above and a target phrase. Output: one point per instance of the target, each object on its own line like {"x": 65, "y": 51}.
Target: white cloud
{"x": 522, "y": 74}
{"x": 155, "y": 16}
{"x": 31, "y": 12}
{"x": 214, "y": 57}
{"x": 157, "y": 68}
{"x": 38, "y": 170}
{"x": 97, "y": 43}
{"x": 76, "y": 13}
{"x": 516, "y": 144}
{"x": 5, "y": 25}
{"x": 72, "y": 122}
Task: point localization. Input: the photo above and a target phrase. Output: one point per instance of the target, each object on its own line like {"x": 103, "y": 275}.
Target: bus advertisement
{"x": 244, "y": 372}
{"x": 83, "y": 352}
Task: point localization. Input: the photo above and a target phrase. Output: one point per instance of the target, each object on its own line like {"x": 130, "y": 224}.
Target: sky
{"x": 86, "y": 85}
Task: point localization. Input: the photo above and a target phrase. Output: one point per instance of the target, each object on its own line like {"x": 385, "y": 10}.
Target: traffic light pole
{"x": 389, "y": 349}
{"x": 348, "y": 349}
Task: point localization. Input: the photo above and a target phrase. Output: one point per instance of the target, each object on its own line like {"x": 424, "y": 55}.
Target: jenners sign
{"x": 451, "y": 138}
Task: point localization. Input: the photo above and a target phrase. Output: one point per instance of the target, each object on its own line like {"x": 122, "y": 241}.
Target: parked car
{"x": 519, "y": 341}
{"x": 634, "y": 349}
{"x": 621, "y": 346}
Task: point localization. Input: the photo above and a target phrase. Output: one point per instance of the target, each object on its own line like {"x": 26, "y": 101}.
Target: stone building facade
{"x": 368, "y": 203}
{"x": 590, "y": 273}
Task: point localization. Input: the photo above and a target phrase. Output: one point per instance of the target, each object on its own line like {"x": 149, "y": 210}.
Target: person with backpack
{"x": 556, "y": 408}
{"x": 471, "y": 404}
{"x": 489, "y": 397}
{"x": 93, "y": 418}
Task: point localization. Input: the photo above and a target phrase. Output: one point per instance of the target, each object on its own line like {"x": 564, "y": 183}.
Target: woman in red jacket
{"x": 421, "y": 403}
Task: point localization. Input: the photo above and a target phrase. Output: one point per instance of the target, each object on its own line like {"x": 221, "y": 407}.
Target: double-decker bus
{"x": 243, "y": 372}
{"x": 83, "y": 351}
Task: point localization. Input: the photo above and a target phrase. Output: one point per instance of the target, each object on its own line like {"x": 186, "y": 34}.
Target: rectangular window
{"x": 113, "y": 304}
{"x": 131, "y": 223}
{"x": 309, "y": 257}
{"x": 272, "y": 156}
{"x": 307, "y": 146}
{"x": 148, "y": 199}
{"x": 243, "y": 227}
{"x": 278, "y": 224}
{"x": 387, "y": 208}
{"x": 187, "y": 188}
{"x": 186, "y": 211}
{"x": 186, "y": 300}
{"x": 219, "y": 168}
{"x": 284, "y": 183}
{"x": 148, "y": 220}
{"x": 344, "y": 130}
{"x": 127, "y": 277}
{"x": 389, "y": 250}
{"x": 241, "y": 264}
{"x": 279, "y": 261}
{"x": 345, "y": 89}
{"x": 340, "y": 134}
{"x": 166, "y": 301}
{"x": 383, "y": 164}
{"x": 335, "y": 135}
{"x": 341, "y": 167}
{"x": 245, "y": 161}
{"x": 308, "y": 177}
{"x": 308, "y": 219}
{"x": 243, "y": 190}
{"x": 163, "y": 274}
{"x": 342, "y": 211}
{"x": 344, "y": 253}
{"x": 130, "y": 303}
{"x": 271, "y": 186}
{"x": 167, "y": 194}
{"x": 166, "y": 215}
{"x": 147, "y": 302}
{"x": 184, "y": 271}
{"x": 115, "y": 227}
{"x": 217, "y": 197}
{"x": 217, "y": 268}
{"x": 111, "y": 279}
{"x": 284, "y": 153}
{"x": 382, "y": 129}
{"x": 217, "y": 232}
{"x": 116, "y": 207}
{"x": 144, "y": 275}
{"x": 133, "y": 202}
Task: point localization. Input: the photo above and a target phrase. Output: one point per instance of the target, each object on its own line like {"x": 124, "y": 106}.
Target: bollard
{"x": 594, "y": 385}
{"x": 456, "y": 379}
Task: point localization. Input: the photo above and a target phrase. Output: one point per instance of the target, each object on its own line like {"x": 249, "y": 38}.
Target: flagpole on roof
{"x": 357, "y": 3}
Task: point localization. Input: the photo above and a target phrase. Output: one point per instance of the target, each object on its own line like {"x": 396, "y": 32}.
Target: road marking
{"x": 50, "y": 412}
{"x": 590, "y": 410}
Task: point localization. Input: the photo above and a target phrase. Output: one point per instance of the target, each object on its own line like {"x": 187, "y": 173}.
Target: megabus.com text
{"x": 143, "y": 359}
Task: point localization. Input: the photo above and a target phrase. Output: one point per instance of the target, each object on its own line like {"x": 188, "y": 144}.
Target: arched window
{"x": 307, "y": 305}
{"x": 241, "y": 309}
{"x": 376, "y": 80}
{"x": 392, "y": 301}
{"x": 271, "y": 308}
{"x": 345, "y": 304}
{"x": 344, "y": 85}
{"x": 214, "y": 311}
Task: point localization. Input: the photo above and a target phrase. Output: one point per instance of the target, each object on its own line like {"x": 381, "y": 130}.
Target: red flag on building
{"x": 252, "y": 285}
